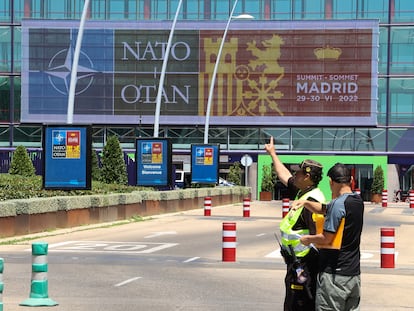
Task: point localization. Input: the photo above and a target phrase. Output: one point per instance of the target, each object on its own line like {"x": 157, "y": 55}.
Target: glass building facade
{"x": 392, "y": 136}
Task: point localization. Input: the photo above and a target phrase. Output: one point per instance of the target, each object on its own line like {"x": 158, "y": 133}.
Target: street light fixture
{"x": 213, "y": 77}
{"x": 74, "y": 71}
{"x": 163, "y": 70}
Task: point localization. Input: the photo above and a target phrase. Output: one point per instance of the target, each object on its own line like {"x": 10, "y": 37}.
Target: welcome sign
{"x": 289, "y": 73}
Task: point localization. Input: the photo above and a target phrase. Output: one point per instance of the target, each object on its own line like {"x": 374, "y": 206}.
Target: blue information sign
{"x": 205, "y": 164}
{"x": 153, "y": 159}
{"x": 67, "y": 157}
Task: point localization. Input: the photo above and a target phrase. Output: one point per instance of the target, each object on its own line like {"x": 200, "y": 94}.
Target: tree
{"x": 21, "y": 163}
{"x": 378, "y": 181}
{"x": 113, "y": 169}
{"x": 96, "y": 171}
{"x": 268, "y": 178}
{"x": 234, "y": 175}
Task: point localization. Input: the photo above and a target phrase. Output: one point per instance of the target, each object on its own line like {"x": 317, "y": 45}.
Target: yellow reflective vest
{"x": 292, "y": 237}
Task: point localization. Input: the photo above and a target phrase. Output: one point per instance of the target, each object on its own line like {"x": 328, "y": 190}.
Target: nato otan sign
{"x": 285, "y": 73}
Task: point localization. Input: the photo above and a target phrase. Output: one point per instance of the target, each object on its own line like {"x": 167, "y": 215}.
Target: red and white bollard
{"x": 207, "y": 206}
{"x": 285, "y": 207}
{"x": 357, "y": 191}
{"x": 387, "y": 248}
{"x": 229, "y": 241}
{"x": 384, "y": 198}
{"x": 246, "y": 207}
{"x": 411, "y": 198}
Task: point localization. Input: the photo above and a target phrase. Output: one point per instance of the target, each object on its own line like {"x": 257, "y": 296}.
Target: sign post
{"x": 246, "y": 161}
{"x": 205, "y": 163}
{"x": 67, "y": 157}
{"x": 153, "y": 162}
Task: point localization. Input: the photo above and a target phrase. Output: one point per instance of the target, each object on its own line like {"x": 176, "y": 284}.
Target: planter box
{"x": 376, "y": 198}
{"x": 266, "y": 196}
{"x": 21, "y": 217}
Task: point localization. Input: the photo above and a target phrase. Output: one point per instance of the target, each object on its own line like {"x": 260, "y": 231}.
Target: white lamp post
{"x": 162, "y": 75}
{"x": 74, "y": 73}
{"x": 213, "y": 77}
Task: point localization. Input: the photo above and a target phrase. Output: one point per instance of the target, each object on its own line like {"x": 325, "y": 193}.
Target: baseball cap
{"x": 313, "y": 168}
{"x": 339, "y": 173}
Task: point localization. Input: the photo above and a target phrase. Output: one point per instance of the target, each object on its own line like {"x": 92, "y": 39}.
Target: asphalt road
{"x": 174, "y": 262}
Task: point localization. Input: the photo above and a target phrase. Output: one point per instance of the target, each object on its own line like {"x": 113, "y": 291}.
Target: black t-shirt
{"x": 345, "y": 261}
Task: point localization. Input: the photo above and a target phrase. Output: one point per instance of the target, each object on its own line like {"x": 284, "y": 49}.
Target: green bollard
{"x": 39, "y": 287}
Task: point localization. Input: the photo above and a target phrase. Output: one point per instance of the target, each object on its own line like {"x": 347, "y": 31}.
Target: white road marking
{"x": 110, "y": 247}
{"x": 127, "y": 281}
{"x": 191, "y": 259}
{"x": 156, "y": 234}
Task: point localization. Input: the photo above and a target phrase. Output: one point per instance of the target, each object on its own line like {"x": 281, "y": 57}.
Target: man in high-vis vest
{"x": 301, "y": 260}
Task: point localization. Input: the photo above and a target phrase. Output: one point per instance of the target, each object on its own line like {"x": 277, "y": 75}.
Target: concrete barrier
{"x": 22, "y": 217}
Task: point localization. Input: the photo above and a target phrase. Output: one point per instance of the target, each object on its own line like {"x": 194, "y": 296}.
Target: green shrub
{"x": 20, "y": 187}
{"x": 113, "y": 169}
{"x": 378, "y": 181}
{"x": 21, "y": 163}
{"x": 234, "y": 175}
{"x": 268, "y": 178}
{"x": 96, "y": 171}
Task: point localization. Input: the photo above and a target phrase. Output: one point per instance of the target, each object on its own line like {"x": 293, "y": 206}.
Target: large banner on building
{"x": 270, "y": 73}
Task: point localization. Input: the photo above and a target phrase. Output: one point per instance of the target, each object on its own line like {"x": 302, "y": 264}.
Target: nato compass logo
{"x": 60, "y": 68}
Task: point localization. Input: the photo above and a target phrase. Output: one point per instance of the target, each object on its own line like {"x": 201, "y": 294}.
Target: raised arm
{"x": 281, "y": 170}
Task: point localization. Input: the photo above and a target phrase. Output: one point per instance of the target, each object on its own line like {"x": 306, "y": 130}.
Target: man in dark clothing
{"x": 301, "y": 260}
{"x": 339, "y": 282}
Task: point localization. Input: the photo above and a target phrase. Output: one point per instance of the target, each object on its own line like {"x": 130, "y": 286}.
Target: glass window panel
{"x": 402, "y": 99}
{"x": 38, "y": 9}
{"x": 5, "y": 15}
{"x": 56, "y": 9}
{"x": 374, "y": 9}
{"x": 220, "y": 9}
{"x": 309, "y": 9}
{"x": 307, "y": 139}
{"x": 159, "y": 9}
{"x": 402, "y": 50}
{"x": 244, "y": 138}
{"x": 382, "y": 102}
{"x": 29, "y": 136}
{"x": 338, "y": 139}
{"x": 98, "y": 9}
{"x": 17, "y": 48}
{"x": 281, "y": 138}
{"x": 17, "y": 82}
{"x": 182, "y": 138}
{"x": 18, "y": 10}
{"x": 193, "y": 9}
{"x": 383, "y": 50}
{"x": 4, "y": 136}
{"x": 403, "y": 11}
{"x": 4, "y": 99}
{"x": 5, "y": 49}
{"x": 369, "y": 139}
{"x": 117, "y": 9}
{"x": 253, "y": 7}
{"x": 218, "y": 136}
{"x": 131, "y": 10}
{"x": 125, "y": 135}
{"x": 344, "y": 9}
{"x": 281, "y": 9}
